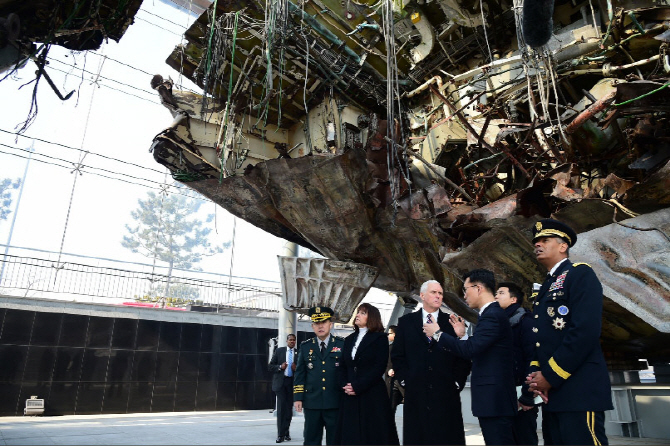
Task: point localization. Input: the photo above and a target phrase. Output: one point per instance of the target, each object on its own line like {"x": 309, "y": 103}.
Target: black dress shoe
{"x": 287, "y": 438}
{"x": 279, "y": 439}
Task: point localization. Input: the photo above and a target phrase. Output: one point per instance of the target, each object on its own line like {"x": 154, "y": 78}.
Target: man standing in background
{"x": 283, "y": 365}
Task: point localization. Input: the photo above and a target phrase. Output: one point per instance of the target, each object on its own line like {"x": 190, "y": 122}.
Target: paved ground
{"x": 256, "y": 427}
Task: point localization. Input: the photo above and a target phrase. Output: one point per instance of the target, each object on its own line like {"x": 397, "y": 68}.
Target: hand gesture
{"x": 293, "y": 366}
{"x": 298, "y": 406}
{"x": 458, "y": 324}
{"x": 283, "y": 366}
{"x": 349, "y": 390}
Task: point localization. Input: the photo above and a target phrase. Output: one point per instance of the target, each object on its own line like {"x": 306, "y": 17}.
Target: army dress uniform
{"x": 567, "y": 319}
{"x": 316, "y": 385}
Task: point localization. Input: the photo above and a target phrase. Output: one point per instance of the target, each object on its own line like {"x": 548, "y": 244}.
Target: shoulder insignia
{"x": 581, "y": 263}
{"x": 339, "y": 338}
{"x": 305, "y": 342}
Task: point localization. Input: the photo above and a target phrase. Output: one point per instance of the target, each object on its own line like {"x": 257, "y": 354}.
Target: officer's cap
{"x": 318, "y": 314}
{"x": 549, "y": 227}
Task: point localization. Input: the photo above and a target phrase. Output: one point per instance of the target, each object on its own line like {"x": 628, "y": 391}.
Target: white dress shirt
{"x": 481, "y": 310}
{"x": 553, "y": 270}
{"x": 361, "y": 332}
{"x": 434, "y": 315}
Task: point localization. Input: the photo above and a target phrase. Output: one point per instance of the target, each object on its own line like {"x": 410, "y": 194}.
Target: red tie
{"x": 429, "y": 319}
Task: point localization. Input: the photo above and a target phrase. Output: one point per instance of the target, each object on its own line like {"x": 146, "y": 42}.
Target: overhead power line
{"x": 157, "y": 26}
{"x": 99, "y": 76}
{"x": 179, "y": 87}
{"x": 71, "y": 165}
{"x": 112, "y": 88}
{"x": 163, "y": 18}
{"x": 80, "y": 150}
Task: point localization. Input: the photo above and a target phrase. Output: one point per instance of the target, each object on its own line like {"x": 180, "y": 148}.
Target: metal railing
{"x": 41, "y": 278}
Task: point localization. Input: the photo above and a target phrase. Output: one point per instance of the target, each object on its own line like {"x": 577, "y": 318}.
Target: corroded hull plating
{"x": 426, "y": 140}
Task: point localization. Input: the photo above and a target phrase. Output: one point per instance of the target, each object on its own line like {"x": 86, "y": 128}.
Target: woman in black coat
{"x": 365, "y": 409}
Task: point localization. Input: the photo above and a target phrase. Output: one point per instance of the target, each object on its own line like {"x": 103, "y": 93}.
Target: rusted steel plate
{"x": 310, "y": 282}
{"x": 633, "y": 264}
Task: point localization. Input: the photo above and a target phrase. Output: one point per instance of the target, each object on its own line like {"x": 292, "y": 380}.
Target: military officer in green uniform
{"x": 315, "y": 386}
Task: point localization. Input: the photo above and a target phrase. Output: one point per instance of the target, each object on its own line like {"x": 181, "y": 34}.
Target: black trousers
{"x": 284, "y": 407}
{"x": 315, "y": 421}
{"x": 575, "y": 427}
{"x": 497, "y": 430}
{"x": 525, "y": 427}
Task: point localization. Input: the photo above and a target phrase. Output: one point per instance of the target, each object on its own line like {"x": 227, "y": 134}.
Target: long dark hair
{"x": 374, "y": 323}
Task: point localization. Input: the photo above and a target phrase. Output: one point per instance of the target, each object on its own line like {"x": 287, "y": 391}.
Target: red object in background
{"x": 150, "y": 305}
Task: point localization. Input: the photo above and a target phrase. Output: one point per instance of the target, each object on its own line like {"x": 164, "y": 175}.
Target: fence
{"x": 33, "y": 277}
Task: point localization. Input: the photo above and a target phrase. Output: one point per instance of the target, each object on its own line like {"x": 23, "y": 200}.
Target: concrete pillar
{"x": 288, "y": 320}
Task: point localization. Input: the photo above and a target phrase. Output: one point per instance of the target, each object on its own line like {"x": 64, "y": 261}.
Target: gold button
{"x": 323, "y": 379}
{"x": 537, "y": 303}
{"x": 537, "y": 344}
{"x": 323, "y": 362}
{"x": 536, "y": 316}
{"x": 534, "y": 329}
{"x": 323, "y": 371}
{"x": 324, "y": 388}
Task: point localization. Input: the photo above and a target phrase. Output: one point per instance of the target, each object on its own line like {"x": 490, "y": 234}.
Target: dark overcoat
{"x": 490, "y": 348}
{"x": 433, "y": 380}
{"x": 567, "y": 316}
{"x": 365, "y": 418}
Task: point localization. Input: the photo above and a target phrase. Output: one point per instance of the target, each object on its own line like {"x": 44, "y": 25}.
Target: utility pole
{"x": 16, "y": 211}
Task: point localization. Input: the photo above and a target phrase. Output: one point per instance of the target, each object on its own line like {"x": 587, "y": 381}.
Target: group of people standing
{"x": 517, "y": 360}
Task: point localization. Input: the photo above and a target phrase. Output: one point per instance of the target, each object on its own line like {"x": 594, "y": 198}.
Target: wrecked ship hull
{"x": 387, "y": 135}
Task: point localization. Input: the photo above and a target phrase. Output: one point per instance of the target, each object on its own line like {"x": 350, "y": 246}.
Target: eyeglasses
{"x": 465, "y": 288}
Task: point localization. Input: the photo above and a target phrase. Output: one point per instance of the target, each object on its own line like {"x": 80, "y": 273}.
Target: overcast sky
{"x": 119, "y": 124}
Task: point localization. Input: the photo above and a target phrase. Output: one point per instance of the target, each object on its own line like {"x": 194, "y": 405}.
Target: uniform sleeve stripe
{"x": 557, "y": 369}
{"x": 535, "y": 363}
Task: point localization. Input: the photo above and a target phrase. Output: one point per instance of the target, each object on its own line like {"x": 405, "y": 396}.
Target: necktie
{"x": 323, "y": 347}
{"x": 289, "y": 370}
{"x": 429, "y": 319}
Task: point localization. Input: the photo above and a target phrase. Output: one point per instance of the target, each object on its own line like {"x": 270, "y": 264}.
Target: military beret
{"x": 548, "y": 227}
{"x": 318, "y": 314}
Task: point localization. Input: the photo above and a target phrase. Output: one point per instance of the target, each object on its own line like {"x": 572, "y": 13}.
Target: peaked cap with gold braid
{"x": 549, "y": 227}
{"x": 318, "y": 314}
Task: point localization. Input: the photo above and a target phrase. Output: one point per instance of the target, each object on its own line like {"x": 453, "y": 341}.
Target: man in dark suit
{"x": 568, "y": 369}
{"x": 432, "y": 377}
{"x": 492, "y": 354}
{"x": 283, "y": 365}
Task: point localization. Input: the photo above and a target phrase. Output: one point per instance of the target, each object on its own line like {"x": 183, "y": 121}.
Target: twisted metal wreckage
{"x": 417, "y": 139}
{"x": 425, "y": 138}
